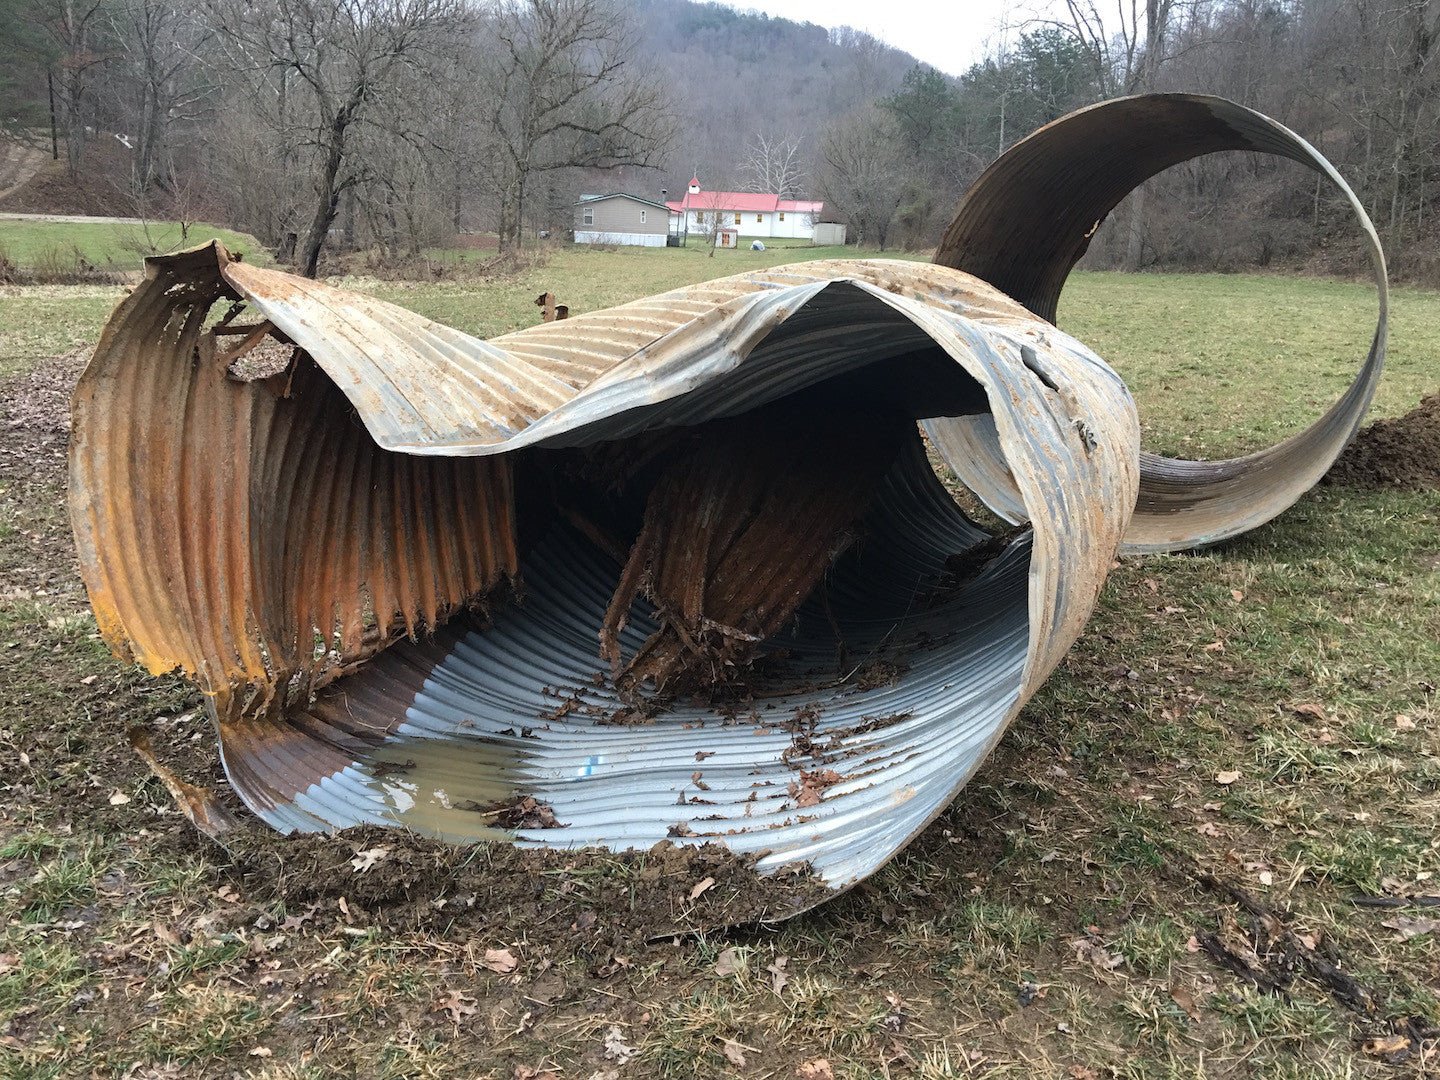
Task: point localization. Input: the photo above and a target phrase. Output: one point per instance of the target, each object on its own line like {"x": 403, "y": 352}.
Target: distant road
{"x": 79, "y": 219}
{"x": 19, "y": 161}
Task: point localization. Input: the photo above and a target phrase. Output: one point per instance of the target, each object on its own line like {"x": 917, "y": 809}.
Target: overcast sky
{"x": 949, "y": 34}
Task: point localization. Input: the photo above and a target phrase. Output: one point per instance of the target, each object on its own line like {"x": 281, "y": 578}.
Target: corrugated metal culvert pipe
{"x": 675, "y": 570}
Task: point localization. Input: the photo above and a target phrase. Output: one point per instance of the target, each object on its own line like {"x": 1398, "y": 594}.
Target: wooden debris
{"x": 551, "y": 311}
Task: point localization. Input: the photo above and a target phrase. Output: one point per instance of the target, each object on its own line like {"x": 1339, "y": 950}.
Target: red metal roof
{"x": 743, "y": 201}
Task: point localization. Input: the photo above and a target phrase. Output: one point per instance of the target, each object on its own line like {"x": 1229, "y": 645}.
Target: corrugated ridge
{"x": 210, "y": 514}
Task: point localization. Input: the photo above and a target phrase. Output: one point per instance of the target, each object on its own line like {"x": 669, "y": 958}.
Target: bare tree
{"x": 863, "y": 173}
{"x": 1122, "y": 64}
{"x": 559, "y": 87}
{"x": 159, "y": 41}
{"x": 318, "y": 68}
{"x": 75, "y": 26}
{"x": 773, "y": 166}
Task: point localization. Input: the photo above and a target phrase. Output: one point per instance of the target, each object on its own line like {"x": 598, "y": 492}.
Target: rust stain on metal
{"x": 391, "y": 554}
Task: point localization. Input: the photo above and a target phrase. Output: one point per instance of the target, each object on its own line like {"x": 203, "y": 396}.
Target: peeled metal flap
{"x": 1027, "y": 221}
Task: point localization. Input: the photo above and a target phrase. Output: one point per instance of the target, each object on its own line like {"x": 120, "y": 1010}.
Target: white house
{"x": 744, "y": 213}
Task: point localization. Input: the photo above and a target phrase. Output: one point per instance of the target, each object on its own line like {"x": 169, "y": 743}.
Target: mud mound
{"x": 1403, "y": 452}
{"x": 603, "y": 901}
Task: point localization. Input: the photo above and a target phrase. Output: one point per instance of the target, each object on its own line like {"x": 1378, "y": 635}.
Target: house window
{"x": 588, "y": 216}
{"x": 759, "y": 219}
{"x": 642, "y": 217}
{"x": 737, "y": 217}
{"x": 782, "y": 215}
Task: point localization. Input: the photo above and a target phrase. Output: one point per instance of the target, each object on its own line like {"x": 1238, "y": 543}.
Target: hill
{"x": 737, "y": 74}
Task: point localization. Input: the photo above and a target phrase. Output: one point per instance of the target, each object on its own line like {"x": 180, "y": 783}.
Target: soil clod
{"x": 1401, "y": 452}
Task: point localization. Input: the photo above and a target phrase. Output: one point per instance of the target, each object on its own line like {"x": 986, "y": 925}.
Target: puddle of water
{"x": 451, "y": 788}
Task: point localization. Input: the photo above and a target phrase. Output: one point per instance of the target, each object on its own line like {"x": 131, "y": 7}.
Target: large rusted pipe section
{"x": 679, "y": 569}
{"x": 1028, "y": 220}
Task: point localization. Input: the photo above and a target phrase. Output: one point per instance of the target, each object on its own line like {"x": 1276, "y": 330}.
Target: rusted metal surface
{"x": 1028, "y": 220}
{"x": 328, "y": 548}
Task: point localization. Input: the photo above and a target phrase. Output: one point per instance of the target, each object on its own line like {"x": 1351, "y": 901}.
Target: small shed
{"x": 621, "y": 218}
{"x": 829, "y": 233}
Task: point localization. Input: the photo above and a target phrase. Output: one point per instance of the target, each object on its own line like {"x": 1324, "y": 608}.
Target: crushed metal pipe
{"x": 680, "y": 569}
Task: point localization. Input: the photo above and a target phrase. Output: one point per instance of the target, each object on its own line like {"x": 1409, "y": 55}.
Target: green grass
{"x": 1224, "y": 363}
{"x": 585, "y": 279}
{"x": 111, "y": 245}
{"x": 129, "y": 943}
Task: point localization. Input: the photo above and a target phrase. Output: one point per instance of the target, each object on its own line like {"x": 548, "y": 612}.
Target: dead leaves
{"x": 1387, "y": 1045}
{"x": 702, "y": 886}
{"x": 1227, "y": 777}
{"x": 1406, "y": 927}
{"x": 616, "y": 1048}
{"x": 457, "y": 1004}
{"x": 816, "y": 1069}
{"x": 808, "y": 789}
{"x": 734, "y": 1053}
{"x": 500, "y": 961}
{"x": 364, "y": 860}
{"x": 1092, "y": 949}
{"x": 778, "y": 975}
{"x": 729, "y": 962}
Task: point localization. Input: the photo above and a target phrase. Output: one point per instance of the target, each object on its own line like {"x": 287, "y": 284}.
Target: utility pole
{"x": 54, "y": 135}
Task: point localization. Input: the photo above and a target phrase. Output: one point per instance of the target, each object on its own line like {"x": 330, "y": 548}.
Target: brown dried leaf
{"x": 364, "y": 860}
{"x": 733, "y": 1052}
{"x": 1385, "y": 1045}
{"x": 616, "y": 1048}
{"x": 1185, "y": 999}
{"x": 702, "y": 886}
{"x": 500, "y": 961}
{"x": 778, "y": 975}
{"x": 456, "y": 1004}
{"x": 1227, "y": 777}
{"x": 816, "y": 1069}
{"x": 1406, "y": 928}
{"x": 728, "y": 963}
{"x": 1096, "y": 953}
{"x": 808, "y": 789}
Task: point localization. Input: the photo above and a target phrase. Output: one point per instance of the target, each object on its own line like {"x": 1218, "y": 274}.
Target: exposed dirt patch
{"x": 592, "y": 901}
{"x": 34, "y": 439}
{"x": 35, "y": 416}
{"x": 1403, "y": 452}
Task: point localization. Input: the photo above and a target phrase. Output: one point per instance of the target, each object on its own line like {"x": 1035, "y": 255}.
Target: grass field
{"x": 1052, "y": 923}
{"x": 111, "y": 245}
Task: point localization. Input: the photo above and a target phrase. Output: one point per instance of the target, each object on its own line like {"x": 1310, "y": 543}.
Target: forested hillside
{"x": 392, "y": 125}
